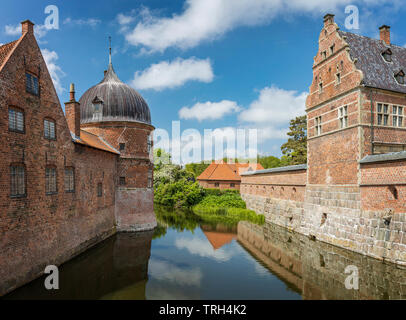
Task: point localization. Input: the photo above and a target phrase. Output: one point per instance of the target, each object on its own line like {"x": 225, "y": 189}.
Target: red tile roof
{"x": 91, "y": 140}
{"x": 219, "y": 239}
{"x": 227, "y": 172}
{"x": 5, "y": 50}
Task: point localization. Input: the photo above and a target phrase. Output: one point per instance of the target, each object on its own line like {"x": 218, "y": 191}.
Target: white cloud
{"x": 12, "y": 30}
{"x": 173, "y": 74}
{"x": 55, "y": 71}
{"x": 91, "y": 22}
{"x": 124, "y": 19}
{"x": 209, "y": 110}
{"x": 273, "y": 110}
{"x": 204, "y": 20}
{"x": 40, "y": 31}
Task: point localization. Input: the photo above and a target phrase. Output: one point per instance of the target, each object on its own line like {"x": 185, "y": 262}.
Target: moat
{"x": 188, "y": 258}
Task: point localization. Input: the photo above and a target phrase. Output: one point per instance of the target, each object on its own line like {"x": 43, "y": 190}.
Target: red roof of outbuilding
{"x": 227, "y": 172}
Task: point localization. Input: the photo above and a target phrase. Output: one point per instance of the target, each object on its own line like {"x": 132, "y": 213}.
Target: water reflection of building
{"x": 115, "y": 269}
{"x": 219, "y": 235}
{"x": 316, "y": 269}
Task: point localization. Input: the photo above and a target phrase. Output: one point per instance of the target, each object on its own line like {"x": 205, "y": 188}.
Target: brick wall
{"x": 222, "y": 185}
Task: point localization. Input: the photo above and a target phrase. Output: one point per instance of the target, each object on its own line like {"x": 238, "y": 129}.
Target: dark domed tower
{"x": 118, "y": 114}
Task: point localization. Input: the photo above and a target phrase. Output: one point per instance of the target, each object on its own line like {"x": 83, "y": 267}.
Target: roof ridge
{"x": 373, "y": 39}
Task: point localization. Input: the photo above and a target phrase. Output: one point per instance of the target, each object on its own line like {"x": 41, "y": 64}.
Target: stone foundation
{"x": 333, "y": 215}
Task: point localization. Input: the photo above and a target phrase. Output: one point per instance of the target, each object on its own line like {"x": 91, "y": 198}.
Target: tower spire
{"x": 109, "y": 50}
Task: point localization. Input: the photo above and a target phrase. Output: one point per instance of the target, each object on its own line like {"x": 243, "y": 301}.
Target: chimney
{"x": 328, "y": 19}
{"x": 385, "y": 34}
{"x": 27, "y": 27}
{"x": 72, "y": 112}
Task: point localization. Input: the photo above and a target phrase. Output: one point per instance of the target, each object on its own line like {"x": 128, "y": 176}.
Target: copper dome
{"x": 113, "y": 100}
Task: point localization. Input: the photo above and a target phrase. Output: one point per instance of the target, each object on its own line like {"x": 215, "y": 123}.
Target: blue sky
{"x": 208, "y": 63}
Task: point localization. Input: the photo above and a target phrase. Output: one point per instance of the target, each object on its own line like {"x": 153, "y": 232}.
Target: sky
{"x": 209, "y": 64}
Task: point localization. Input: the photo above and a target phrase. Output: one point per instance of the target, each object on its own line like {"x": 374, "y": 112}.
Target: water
{"x": 188, "y": 258}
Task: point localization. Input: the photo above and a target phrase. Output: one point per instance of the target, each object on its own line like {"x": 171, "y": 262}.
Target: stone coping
{"x": 384, "y": 157}
{"x": 274, "y": 170}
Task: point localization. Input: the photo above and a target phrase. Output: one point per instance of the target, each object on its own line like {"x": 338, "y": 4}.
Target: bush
{"x": 218, "y": 192}
{"x": 179, "y": 194}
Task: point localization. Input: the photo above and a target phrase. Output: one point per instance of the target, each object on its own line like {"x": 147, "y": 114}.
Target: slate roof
{"x": 279, "y": 169}
{"x": 91, "y": 140}
{"x": 377, "y": 72}
{"x": 120, "y": 102}
{"x": 393, "y": 156}
{"x": 221, "y": 171}
{"x": 5, "y": 50}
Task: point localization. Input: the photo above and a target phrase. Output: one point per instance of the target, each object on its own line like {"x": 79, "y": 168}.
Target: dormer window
{"x": 400, "y": 77}
{"x": 387, "y": 55}
{"x": 97, "y": 109}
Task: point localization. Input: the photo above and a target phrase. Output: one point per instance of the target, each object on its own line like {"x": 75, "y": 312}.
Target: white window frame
{"x": 49, "y": 129}
{"x": 343, "y": 116}
{"x": 382, "y": 111}
{"x": 397, "y": 116}
{"x": 317, "y": 121}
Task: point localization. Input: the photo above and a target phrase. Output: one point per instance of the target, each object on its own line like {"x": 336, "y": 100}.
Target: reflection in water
{"x": 190, "y": 258}
{"x": 317, "y": 269}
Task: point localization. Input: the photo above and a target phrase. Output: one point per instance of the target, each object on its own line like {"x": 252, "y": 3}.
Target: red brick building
{"x": 352, "y": 191}
{"x": 66, "y": 182}
{"x": 221, "y": 175}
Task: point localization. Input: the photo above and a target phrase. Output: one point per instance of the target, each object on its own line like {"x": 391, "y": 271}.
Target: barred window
{"x": 49, "y": 129}
{"x": 318, "y": 125}
{"x": 397, "y": 120}
{"x": 343, "y": 116}
{"x": 122, "y": 181}
{"x": 122, "y": 146}
{"x": 17, "y": 174}
{"x": 50, "y": 181}
{"x": 383, "y": 114}
{"x": 150, "y": 180}
{"x": 31, "y": 84}
{"x": 15, "y": 120}
{"x": 99, "y": 189}
{"x": 69, "y": 180}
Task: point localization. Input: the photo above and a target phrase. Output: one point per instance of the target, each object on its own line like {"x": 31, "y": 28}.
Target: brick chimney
{"x": 385, "y": 34}
{"x": 27, "y": 27}
{"x": 328, "y": 19}
{"x": 72, "y": 112}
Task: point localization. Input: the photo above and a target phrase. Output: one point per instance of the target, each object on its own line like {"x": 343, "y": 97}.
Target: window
{"x": 122, "y": 146}
{"x": 332, "y": 49}
{"x": 397, "y": 116}
{"x": 31, "y": 84}
{"x": 387, "y": 55}
{"x": 99, "y": 189}
{"x": 217, "y": 184}
{"x": 97, "y": 109}
{"x": 150, "y": 180}
{"x": 318, "y": 125}
{"x": 122, "y": 181}
{"x": 17, "y": 175}
{"x": 324, "y": 54}
{"x": 232, "y": 185}
{"x": 49, "y": 129}
{"x": 321, "y": 87}
{"x": 15, "y": 120}
{"x": 338, "y": 78}
{"x": 69, "y": 180}
{"x": 149, "y": 144}
{"x": 50, "y": 181}
{"x": 400, "y": 77}
{"x": 343, "y": 116}
{"x": 383, "y": 114}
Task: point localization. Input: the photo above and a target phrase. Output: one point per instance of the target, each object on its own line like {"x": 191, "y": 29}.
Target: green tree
{"x": 269, "y": 161}
{"x": 295, "y": 149}
{"x": 196, "y": 168}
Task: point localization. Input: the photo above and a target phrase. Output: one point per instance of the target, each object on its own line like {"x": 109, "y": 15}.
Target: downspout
{"x": 372, "y": 121}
